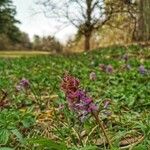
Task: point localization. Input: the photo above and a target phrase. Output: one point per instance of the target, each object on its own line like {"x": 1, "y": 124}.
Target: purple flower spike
{"x": 24, "y": 83}
{"x": 92, "y": 76}
{"x": 142, "y": 70}
{"x": 77, "y": 98}
{"x": 92, "y": 107}
{"x": 109, "y": 69}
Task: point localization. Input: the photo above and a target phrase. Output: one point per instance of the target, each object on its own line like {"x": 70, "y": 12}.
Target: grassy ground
{"x": 14, "y": 54}
{"x": 35, "y": 112}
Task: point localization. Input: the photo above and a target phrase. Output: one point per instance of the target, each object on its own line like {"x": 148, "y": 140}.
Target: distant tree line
{"x": 9, "y": 32}
{"x": 91, "y": 16}
{"x": 12, "y": 38}
{"x": 97, "y": 21}
{"x": 46, "y": 43}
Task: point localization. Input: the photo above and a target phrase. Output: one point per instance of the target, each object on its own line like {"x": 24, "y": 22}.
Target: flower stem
{"x": 100, "y": 123}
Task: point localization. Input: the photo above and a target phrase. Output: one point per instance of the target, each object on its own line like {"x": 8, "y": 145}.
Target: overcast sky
{"x": 38, "y": 24}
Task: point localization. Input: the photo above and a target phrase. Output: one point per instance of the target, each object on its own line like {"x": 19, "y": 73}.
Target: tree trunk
{"x": 87, "y": 42}
{"x": 143, "y": 26}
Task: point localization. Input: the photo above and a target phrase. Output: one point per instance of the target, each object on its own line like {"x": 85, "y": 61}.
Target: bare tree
{"x": 86, "y": 15}
{"x": 143, "y": 25}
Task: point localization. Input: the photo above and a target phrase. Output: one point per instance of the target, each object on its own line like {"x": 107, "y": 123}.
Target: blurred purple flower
{"x": 102, "y": 67}
{"x": 92, "y": 107}
{"x": 92, "y": 76}
{"x": 23, "y": 84}
{"x": 109, "y": 69}
{"x": 142, "y": 70}
{"x": 79, "y": 101}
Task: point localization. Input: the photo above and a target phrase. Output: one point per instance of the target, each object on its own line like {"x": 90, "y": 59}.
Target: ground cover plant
{"x": 38, "y": 112}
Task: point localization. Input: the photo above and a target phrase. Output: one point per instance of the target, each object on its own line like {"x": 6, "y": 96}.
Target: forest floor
{"x": 34, "y": 112}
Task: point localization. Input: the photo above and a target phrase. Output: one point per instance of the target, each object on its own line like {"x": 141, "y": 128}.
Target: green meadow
{"x": 31, "y": 118}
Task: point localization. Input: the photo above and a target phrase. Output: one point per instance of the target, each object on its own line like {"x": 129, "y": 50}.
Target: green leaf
{"x": 46, "y": 143}
{"x": 4, "y": 136}
{"x": 6, "y": 148}
{"x": 18, "y": 135}
{"x": 140, "y": 147}
{"x": 28, "y": 121}
{"x": 89, "y": 147}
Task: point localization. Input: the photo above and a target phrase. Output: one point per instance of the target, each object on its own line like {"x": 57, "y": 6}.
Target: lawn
{"x": 14, "y": 54}
{"x": 35, "y": 113}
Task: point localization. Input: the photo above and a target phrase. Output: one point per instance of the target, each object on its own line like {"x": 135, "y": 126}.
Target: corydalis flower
{"x": 106, "y": 68}
{"x": 102, "y": 67}
{"x": 142, "y": 70}
{"x": 70, "y": 83}
{"x": 23, "y": 84}
{"x": 109, "y": 69}
{"x": 79, "y": 101}
{"x": 77, "y": 98}
{"x": 92, "y": 76}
